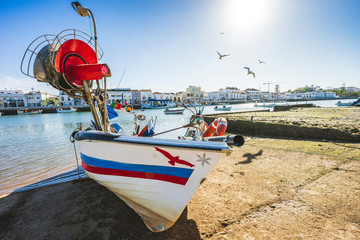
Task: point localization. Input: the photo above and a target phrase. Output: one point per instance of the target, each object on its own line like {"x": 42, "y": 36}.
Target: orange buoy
{"x": 216, "y": 128}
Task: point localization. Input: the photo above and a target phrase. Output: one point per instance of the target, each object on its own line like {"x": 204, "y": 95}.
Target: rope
{"x": 77, "y": 161}
{"x": 91, "y": 33}
{"x": 185, "y": 126}
{"x": 72, "y": 140}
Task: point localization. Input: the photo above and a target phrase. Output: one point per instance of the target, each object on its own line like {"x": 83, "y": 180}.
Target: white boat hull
{"x": 66, "y": 110}
{"x": 223, "y": 109}
{"x": 140, "y": 172}
{"x": 270, "y": 105}
{"x": 174, "y": 111}
{"x": 30, "y": 112}
{"x": 343, "y": 104}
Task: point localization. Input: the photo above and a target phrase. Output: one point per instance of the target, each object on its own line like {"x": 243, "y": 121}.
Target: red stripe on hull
{"x": 125, "y": 173}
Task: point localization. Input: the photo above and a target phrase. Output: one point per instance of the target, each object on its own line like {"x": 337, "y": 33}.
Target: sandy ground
{"x": 267, "y": 189}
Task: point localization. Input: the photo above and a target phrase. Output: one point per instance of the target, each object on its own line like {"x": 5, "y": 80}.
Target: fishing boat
{"x": 223, "y": 108}
{"x": 62, "y": 110}
{"x": 174, "y": 111}
{"x": 155, "y": 176}
{"x": 26, "y": 112}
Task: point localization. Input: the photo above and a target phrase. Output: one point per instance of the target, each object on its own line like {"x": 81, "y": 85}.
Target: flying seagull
{"x": 249, "y": 71}
{"x": 261, "y": 61}
{"x": 221, "y": 56}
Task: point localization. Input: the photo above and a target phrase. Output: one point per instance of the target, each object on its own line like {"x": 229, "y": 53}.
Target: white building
{"x": 231, "y": 94}
{"x": 213, "y": 96}
{"x": 268, "y": 96}
{"x": 252, "y": 94}
{"x": 227, "y": 94}
{"x": 238, "y": 95}
{"x": 13, "y": 98}
{"x": 163, "y": 96}
{"x": 66, "y": 101}
{"x": 193, "y": 94}
{"x": 178, "y": 97}
{"x": 146, "y": 94}
{"x": 20, "y": 98}
{"x": 34, "y": 99}
{"x": 120, "y": 95}
{"x": 136, "y": 98}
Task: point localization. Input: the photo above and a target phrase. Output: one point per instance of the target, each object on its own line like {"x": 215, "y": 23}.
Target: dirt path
{"x": 268, "y": 189}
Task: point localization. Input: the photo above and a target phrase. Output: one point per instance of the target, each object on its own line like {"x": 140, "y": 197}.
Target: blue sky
{"x": 169, "y": 45}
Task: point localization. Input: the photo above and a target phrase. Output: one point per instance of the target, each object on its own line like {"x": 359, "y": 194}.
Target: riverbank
{"x": 268, "y": 189}
{"x": 338, "y": 124}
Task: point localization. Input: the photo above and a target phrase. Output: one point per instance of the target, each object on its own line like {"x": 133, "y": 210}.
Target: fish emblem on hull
{"x": 173, "y": 159}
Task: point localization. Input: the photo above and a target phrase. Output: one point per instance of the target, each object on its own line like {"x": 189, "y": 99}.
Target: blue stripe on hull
{"x": 172, "y": 171}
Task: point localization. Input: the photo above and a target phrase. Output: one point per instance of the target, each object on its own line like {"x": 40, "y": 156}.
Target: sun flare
{"x": 246, "y": 14}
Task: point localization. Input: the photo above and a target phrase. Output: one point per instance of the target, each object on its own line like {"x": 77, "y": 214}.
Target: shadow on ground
{"x": 249, "y": 157}
{"x": 81, "y": 209}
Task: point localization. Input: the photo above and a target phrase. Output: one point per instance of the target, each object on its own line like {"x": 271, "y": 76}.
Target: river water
{"x": 37, "y": 147}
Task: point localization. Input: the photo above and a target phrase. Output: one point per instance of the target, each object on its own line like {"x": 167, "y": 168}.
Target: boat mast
{"x": 100, "y": 96}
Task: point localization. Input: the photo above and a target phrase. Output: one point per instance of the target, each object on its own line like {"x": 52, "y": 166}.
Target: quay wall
{"x": 253, "y": 128}
{"x": 289, "y": 127}
{"x": 45, "y": 109}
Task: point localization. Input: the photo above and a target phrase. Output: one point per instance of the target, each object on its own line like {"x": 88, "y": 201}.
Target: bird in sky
{"x": 249, "y": 71}
{"x": 222, "y": 33}
{"x": 261, "y": 62}
{"x": 221, "y": 56}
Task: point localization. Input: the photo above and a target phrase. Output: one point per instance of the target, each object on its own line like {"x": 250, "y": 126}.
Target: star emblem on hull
{"x": 203, "y": 159}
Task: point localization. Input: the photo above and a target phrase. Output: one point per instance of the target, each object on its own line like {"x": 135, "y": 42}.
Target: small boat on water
{"x": 62, "y": 110}
{"x": 342, "y": 104}
{"x": 354, "y": 103}
{"x": 174, "y": 111}
{"x": 265, "y": 105}
{"x": 154, "y": 176}
{"x": 26, "y": 112}
{"x": 192, "y": 104}
{"x": 223, "y": 108}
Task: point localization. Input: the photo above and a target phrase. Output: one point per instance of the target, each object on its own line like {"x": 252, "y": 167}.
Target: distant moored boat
{"x": 267, "y": 105}
{"x": 26, "y": 112}
{"x": 174, "y": 111}
{"x": 223, "y": 108}
{"x": 61, "y": 110}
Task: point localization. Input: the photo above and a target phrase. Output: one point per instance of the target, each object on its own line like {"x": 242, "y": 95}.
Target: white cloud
{"x": 26, "y": 83}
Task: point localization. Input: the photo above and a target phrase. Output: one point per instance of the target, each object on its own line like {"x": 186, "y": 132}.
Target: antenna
{"x": 121, "y": 77}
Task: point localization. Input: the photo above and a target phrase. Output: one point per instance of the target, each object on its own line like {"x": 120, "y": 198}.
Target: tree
{"x": 355, "y": 94}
